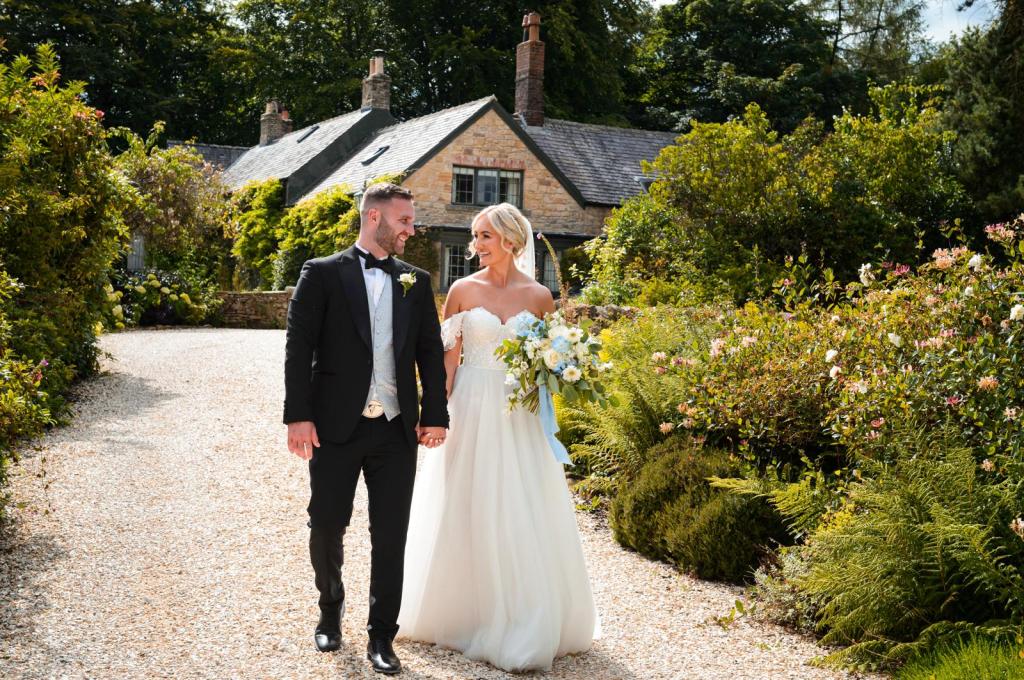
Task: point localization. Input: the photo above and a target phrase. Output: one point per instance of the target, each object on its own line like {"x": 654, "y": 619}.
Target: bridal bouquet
{"x": 550, "y": 356}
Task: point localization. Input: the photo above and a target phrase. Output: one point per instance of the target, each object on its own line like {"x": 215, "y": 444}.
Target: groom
{"x": 360, "y": 323}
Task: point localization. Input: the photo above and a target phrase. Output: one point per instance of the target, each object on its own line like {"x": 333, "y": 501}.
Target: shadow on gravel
{"x": 24, "y": 561}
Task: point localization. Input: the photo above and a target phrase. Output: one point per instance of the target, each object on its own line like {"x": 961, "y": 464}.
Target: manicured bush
{"x": 670, "y": 512}
{"x": 315, "y": 227}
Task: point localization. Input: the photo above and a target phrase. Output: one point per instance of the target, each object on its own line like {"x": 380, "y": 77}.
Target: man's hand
{"x": 431, "y": 437}
{"x": 302, "y": 438}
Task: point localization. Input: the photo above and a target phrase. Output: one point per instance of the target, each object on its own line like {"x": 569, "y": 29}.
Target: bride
{"x": 494, "y": 566}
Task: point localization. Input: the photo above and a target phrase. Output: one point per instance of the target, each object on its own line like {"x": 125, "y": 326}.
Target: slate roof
{"x": 219, "y": 155}
{"x": 303, "y": 156}
{"x": 406, "y": 146}
{"x": 602, "y": 161}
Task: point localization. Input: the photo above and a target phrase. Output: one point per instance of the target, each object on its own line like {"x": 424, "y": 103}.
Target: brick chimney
{"x": 377, "y": 85}
{"x": 530, "y": 72}
{"x": 274, "y": 123}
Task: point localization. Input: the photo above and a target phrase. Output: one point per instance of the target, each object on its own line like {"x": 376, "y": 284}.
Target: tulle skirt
{"x": 494, "y": 567}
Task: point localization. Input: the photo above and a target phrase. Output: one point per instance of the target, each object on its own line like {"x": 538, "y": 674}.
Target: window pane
{"x": 548, "y": 277}
{"x": 487, "y": 187}
{"x": 462, "y": 185}
{"x": 510, "y": 188}
{"x": 455, "y": 264}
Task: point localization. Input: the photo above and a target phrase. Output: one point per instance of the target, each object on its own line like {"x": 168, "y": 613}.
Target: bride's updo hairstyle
{"x": 508, "y": 222}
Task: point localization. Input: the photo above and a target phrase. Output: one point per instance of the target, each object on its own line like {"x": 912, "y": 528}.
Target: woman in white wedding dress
{"x": 494, "y": 567}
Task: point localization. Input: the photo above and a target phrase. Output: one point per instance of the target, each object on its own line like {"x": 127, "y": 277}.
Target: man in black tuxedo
{"x": 360, "y": 323}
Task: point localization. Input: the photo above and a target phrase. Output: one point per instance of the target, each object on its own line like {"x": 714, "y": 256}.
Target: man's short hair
{"x": 383, "y": 192}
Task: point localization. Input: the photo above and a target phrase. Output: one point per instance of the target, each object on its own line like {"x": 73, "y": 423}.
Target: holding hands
{"x": 431, "y": 437}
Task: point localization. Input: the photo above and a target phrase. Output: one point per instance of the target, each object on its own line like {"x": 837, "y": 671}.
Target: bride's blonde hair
{"x": 511, "y": 225}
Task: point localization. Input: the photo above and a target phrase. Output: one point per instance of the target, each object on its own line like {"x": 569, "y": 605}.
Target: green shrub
{"x": 613, "y": 442}
{"x": 315, "y": 227}
{"x": 776, "y": 595}
{"x": 977, "y": 658}
{"x": 928, "y": 547}
{"x": 154, "y": 297}
{"x": 61, "y": 227}
{"x": 670, "y": 512}
{"x": 177, "y": 203}
{"x": 734, "y": 199}
{"x": 725, "y": 538}
{"x": 257, "y": 210}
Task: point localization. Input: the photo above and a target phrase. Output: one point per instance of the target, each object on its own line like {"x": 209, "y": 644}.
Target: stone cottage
{"x": 565, "y": 176}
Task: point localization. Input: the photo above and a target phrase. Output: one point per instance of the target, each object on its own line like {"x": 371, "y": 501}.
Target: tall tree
{"x": 141, "y": 60}
{"x": 879, "y": 38}
{"x": 985, "y": 107}
{"x": 707, "y": 59}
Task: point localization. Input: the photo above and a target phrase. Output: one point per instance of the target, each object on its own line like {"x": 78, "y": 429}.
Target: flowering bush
{"x": 155, "y": 297}
{"x": 551, "y": 354}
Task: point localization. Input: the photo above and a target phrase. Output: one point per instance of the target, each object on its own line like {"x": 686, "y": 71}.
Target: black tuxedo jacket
{"x": 329, "y": 355}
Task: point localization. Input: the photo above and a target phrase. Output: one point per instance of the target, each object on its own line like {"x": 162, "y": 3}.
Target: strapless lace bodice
{"x": 481, "y": 332}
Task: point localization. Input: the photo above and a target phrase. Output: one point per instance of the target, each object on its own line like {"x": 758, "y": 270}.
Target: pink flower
{"x": 877, "y": 423}
{"x": 786, "y": 282}
{"x": 954, "y": 400}
{"x": 988, "y": 383}
{"x": 873, "y": 434}
{"x": 666, "y": 428}
{"x": 987, "y": 465}
{"x": 658, "y": 357}
{"x": 684, "y": 409}
{"x": 1017, "y": 526}
{"x": 44, "y": 363}
{"x": 900, "y": 269}
{"x": 1011, "y": 412}
{"x": 660, "y": 370}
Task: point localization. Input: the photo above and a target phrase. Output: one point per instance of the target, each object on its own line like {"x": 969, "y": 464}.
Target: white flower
{"x": 866, "y": 275}
{"x": 895, "y": 339}
{"x": 552, "y": 358}
{"x": 511, "y": 380}
{"x": 716, "y": 346}
{"x": 574, "y": 335}
{"x": 1017, "y": 313}
{"x": 830, "y": 355}
{"x": 571, "y": 374}
{"x": 602, "y": 367}
{"x": 835, "y": 318}
{"x": 408, "y": 280}
{"x": 834, "y": 372}
{"x": 557, "y": 331}
{"x": 975, "y": 261}
{"x": 968, "y": 291}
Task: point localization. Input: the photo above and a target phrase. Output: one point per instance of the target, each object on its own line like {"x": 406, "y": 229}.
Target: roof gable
{"x": 602, "y": 161}
{"x": 303, "y": 156}
{"x": 407, "y": 146}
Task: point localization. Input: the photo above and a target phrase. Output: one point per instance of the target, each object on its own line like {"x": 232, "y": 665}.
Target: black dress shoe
{"x": 327, "y": 635}
{"x": 383, "y": 658}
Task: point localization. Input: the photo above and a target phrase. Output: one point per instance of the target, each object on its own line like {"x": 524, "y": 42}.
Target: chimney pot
{"x": 530, "y": 72}
{"x": 274, "y": 123}
{"x": 377, "y": 85}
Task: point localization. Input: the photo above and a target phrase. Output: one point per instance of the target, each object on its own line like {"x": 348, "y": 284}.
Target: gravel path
{"x": 163, "y": 534}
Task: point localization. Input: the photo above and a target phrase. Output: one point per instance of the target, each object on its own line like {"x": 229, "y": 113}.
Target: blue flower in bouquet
{"x": 523, "y": 327}
{"x": 561, "y": 345}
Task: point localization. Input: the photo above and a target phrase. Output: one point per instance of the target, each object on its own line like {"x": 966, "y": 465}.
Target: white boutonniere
{"x": 408, "y": 280}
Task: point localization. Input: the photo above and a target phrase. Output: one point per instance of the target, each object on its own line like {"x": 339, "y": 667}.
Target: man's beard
{"x": 387, "y": 238}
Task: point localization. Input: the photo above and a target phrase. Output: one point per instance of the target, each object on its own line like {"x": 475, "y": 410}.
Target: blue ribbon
{"x": 550, "y": 425}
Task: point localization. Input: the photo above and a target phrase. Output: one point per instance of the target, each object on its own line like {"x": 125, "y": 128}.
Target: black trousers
{"x": 381, "y": 450}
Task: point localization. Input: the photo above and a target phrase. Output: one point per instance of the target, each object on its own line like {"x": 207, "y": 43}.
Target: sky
{"x": 942, "y": 20}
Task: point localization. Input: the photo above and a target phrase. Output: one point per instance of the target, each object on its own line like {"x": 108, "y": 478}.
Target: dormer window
{"x": 486, "y": 186}
{"x": 645, "y": 182}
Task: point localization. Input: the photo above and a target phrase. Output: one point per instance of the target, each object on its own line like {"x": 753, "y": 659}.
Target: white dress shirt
{"x": 374, "y": 278}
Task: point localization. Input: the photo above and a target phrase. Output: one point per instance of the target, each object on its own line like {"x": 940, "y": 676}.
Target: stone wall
{"x": 256, "y": 309}
{"x": 490, "y": 143}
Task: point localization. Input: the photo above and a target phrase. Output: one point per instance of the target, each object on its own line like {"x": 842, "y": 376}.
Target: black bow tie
{"x": 386, "y": 265}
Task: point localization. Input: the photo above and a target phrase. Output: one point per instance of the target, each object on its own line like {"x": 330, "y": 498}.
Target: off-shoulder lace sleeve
{"x": 451, "y": 330}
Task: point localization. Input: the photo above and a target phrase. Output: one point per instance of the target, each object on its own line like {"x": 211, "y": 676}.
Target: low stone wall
{"x": 602, "y": 315}
{"x": 255, "y": 309}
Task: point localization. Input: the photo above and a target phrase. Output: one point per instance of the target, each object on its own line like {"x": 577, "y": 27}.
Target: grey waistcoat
{"x": 383, "y": 385}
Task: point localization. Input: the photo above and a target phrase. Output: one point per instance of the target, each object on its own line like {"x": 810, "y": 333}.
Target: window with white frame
{"x": 486, "y": 186}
